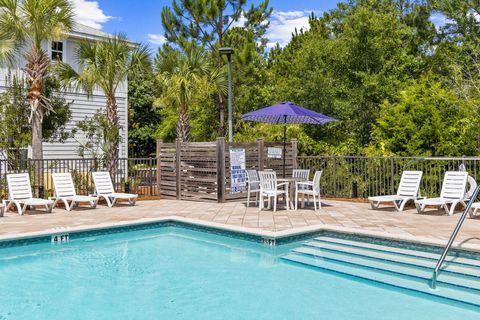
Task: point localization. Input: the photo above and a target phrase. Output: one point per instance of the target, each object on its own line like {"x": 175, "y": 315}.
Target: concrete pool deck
{"x": 432, "y": 227}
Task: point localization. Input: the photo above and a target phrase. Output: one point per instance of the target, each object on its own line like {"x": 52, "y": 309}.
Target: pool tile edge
{"x": 265, "y": 234}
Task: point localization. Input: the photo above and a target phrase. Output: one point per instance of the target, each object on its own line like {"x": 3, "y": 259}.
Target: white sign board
{"x": 275, "y": 153}
{"x": 237, "y": 170}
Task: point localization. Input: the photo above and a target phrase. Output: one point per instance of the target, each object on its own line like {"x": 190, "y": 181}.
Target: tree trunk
{"x": 37, "y": 133}
{"x": 37, "y": 70}
{"x": 112, "y": 110}
{"x": 112, "y": 135}
{"x": 183, "y": 124}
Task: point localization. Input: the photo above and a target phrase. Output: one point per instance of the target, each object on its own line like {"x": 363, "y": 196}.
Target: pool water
{"x": 177, "y": 273}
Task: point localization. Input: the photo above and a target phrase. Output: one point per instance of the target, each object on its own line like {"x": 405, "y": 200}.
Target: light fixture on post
{"x": 228, "y": 52}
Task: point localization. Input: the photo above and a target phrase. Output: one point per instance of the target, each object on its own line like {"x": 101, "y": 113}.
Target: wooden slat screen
{"x": 199, "y": 167}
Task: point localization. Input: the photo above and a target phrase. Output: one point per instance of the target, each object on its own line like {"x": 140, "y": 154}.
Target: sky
{"x": 141, "y": 21}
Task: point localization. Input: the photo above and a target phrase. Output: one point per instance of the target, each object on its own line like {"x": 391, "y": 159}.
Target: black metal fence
{"x": 345, "y": 176}
{"x": 135, "y": 175}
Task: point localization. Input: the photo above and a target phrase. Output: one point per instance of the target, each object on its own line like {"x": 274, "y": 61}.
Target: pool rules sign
{"x": 237, "y": 170}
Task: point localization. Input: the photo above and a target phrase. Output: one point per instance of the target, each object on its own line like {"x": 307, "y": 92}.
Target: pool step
{"x": 412, "y": 270}
{"x": 417, "y": 261}
{"x": 403, "y": 251}
{"x": 404, "y": 268}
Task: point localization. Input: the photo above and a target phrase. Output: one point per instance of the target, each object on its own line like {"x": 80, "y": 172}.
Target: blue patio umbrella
{"x": 286, "y": 113}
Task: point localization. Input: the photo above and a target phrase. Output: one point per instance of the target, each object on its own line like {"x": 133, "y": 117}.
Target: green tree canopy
{"x": 429, "y": 119}
{"x": 379, "y": 66}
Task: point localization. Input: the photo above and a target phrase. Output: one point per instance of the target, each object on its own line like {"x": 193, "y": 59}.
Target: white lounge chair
{"x": 20, "y": 193}
{"x": 408, "y": 190}
{"x": 453, "y": 193}
{"x": 270, "y": 188}
{"x": 472, "y": 185}
{"x": 253, "y": 185}
{"x": 104, "y": 189}
{"x": 309, "y": 188}
{"x": 473, "y": 209}
{"x": 65, "y": 191}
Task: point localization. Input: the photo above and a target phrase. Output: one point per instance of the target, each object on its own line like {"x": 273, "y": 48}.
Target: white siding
{"x": 82, "y": 106}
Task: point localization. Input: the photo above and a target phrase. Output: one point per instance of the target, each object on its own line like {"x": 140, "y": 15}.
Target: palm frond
{"x": 7, "y": 51}
{"x": 46, "y": 19}
{"x": 67, "y": 76}
{"x": 140, "y": 59}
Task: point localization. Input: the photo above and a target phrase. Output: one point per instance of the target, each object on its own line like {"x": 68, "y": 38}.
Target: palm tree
{"x": 184, "y": 76}
{"x": 24, "y": 26}
{"x": 106, "y": 65}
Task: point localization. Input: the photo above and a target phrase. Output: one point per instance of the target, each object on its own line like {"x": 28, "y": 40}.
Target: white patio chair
{"x": 65, "y": 191}
{"x": 309, "y": 188}
{"x": 301, "y": 174}
{"x": 408, "y": 190}
{"x": 270, "y": 188}
{"x": 453, "y": 193}
{"x": 104, "y": 189}
{"x": 20, "y": 193}
{"x": 253, "y": 185}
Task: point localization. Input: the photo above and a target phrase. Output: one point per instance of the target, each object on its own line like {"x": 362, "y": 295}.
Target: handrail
{"x": 452, "y": 237}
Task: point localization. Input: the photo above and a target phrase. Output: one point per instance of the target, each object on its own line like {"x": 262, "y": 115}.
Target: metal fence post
{"x": 392, "y": 175}
{"x": 220, "y": 169}
{"x": 334, "y": 176}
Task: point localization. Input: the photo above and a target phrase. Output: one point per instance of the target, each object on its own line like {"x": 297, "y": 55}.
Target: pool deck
{"x": 433, "y": 227}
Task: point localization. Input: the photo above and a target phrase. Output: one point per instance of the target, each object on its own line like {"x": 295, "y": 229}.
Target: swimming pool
{"x": 177, "y": 273}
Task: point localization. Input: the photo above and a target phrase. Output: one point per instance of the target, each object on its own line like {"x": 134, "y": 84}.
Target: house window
{"x": 57, "y": 51}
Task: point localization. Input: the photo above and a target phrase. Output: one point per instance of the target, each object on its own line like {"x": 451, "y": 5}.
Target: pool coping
{"x": 270, "y": 237}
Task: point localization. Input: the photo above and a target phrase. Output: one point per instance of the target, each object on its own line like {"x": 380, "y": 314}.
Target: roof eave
{"x": 85, "y": 36}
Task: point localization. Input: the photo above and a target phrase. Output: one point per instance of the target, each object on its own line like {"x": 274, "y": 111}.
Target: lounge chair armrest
{"x": 282, "y": 184}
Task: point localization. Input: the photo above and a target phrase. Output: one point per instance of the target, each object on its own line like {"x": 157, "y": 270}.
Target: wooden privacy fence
{"x": 201, "y": 170}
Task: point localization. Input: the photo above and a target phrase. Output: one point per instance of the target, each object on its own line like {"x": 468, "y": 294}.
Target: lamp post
{"x": 228, "y": 52}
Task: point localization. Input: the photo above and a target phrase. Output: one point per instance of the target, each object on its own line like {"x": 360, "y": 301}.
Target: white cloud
{"x": 240, "y": 22}
{"x": 157, "y": 39}
{"x": 89, "y": 13}
{"x": 284, "y": 23}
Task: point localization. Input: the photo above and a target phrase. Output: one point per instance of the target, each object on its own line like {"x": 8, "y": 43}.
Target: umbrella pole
{"x": 284, "y": 147}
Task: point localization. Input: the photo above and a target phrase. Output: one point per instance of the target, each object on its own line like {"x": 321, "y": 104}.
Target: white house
{"x": 82, "y": 106}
